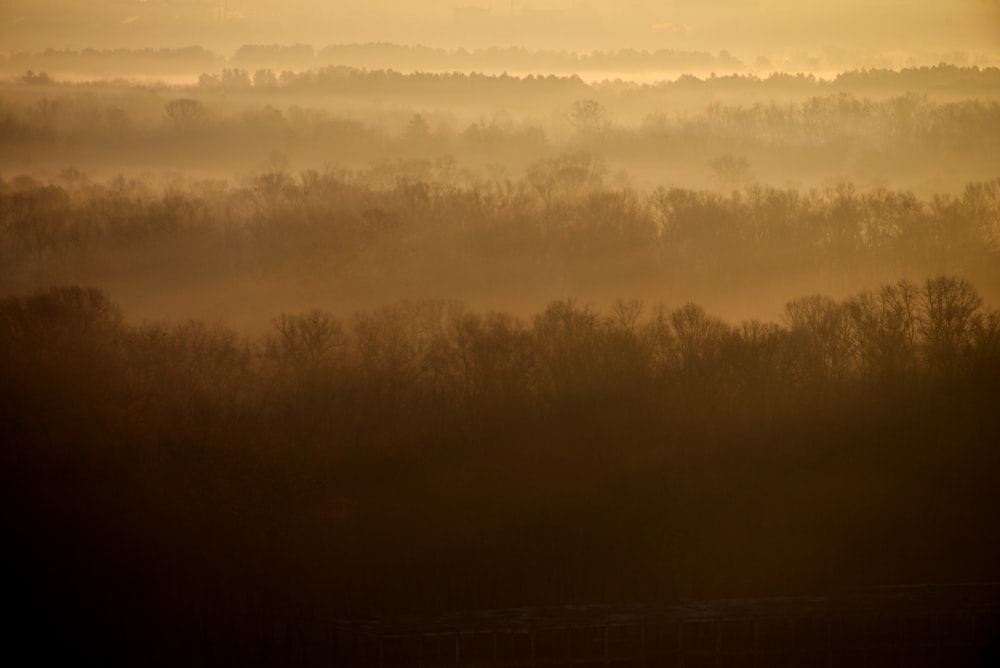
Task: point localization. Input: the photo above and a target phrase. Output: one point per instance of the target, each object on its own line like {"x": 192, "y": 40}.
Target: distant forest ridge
{"x": 562, "y": 228}
{"x": 941, "y": 79}
{"x": 669, "y": 63}
{"x": 303, "y": 56}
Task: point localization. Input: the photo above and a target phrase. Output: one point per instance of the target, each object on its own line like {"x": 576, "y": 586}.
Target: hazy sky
{"x": 745, "y": 27}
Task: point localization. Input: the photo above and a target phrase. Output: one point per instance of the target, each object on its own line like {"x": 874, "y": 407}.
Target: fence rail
{"x": 890, "y": 626}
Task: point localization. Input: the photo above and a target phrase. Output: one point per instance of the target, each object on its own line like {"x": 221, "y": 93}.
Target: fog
{"x": 748, "y": 27}
{"x": 317, "y": 312}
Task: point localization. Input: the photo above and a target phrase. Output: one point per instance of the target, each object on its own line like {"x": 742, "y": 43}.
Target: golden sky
{"x": 745, "y": 27}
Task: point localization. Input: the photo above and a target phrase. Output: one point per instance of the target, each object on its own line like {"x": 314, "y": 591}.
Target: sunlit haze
{"x": 500, "y": 333}
{"x": 744, "y": 27}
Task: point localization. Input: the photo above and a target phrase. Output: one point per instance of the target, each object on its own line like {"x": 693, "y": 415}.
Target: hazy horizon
{"x": 748, "y": 28}
{"x": 317, "y": 313}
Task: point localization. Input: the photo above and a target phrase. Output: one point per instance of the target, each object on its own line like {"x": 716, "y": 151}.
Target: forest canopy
{"x": 321, "y": 461}
{"x": 429, "y": 228}
{"x": 564, "y": 307}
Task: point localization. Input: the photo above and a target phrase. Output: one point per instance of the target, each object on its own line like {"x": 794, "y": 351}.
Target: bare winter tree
{"x": 185, "y": 113}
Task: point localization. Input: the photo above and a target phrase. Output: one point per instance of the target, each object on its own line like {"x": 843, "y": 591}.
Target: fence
{"x": 893, "y": 626}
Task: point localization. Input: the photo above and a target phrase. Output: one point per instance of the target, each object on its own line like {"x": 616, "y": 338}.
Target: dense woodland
{"x": 931, "y": 128}
{"x": 431, "y": 229}
{"x": 425, "y": 456}
{"x": 656, "y": 64}
{"x": 308, "y": 338}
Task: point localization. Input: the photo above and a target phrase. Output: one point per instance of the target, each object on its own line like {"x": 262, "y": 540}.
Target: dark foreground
{"x": 178, "y": 494}
{"x": 957, "y": 625}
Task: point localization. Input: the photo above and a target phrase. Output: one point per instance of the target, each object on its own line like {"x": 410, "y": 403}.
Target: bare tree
{"x": 185, "y": 113}
{"x": 731, "y": 171}
{"x": 948, "y": 308}
{"x": 590, "y": 120}
{"x": 304, "y": 343}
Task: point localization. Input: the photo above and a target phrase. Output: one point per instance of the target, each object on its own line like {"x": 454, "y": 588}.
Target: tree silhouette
{"x": 590, "y": 120}
{"x": 185, "y": 113}
{"x": 731, "y": 171}
{"x": 418, "y": 131}
{"x": 949, "y": 305}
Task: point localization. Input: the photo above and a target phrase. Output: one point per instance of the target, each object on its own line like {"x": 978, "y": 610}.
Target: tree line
{"x": 429, "y": 226}
{"x": 907, "y": 136}
{"x": 299, "y": 57}
{"x": 178, "y": 485}
{"x": 667, "y": 63}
